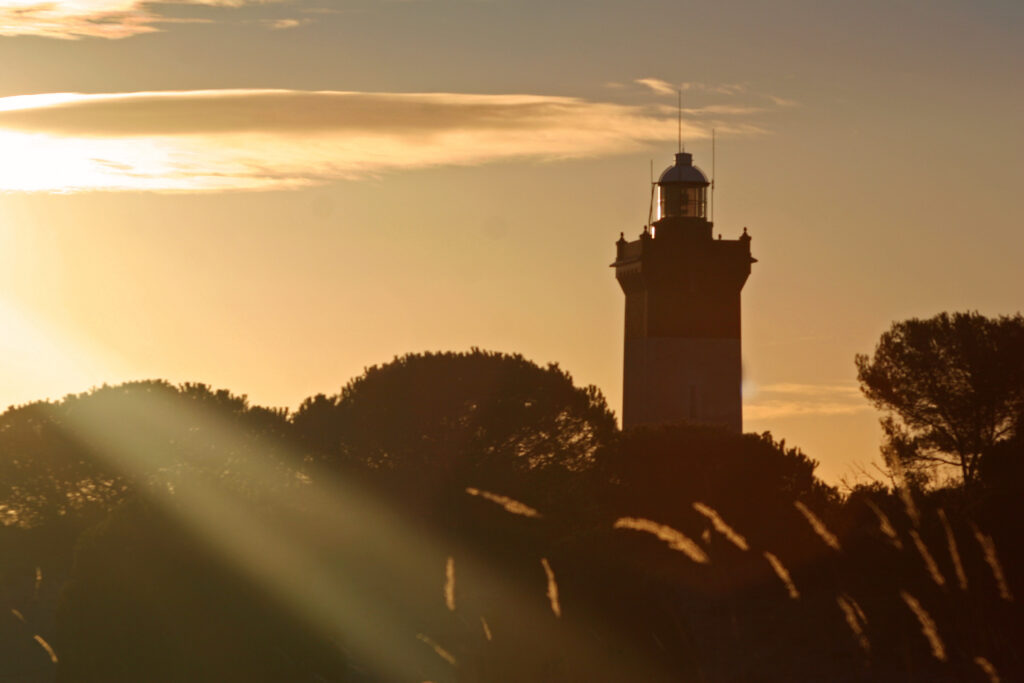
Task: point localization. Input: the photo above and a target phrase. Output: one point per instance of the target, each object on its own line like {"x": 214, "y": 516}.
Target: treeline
{"x": 475, "y": 517}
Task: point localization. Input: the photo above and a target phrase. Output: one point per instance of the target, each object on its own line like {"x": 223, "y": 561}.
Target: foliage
{"x": 149, "y": 601}
{"x": 457, "y": 412}
{"x": 750, "y": 479}
{"x": 79, "y": 456}
{"x": 454, "y": 499}
{"x": 952, "y": 387}
{"x": 711, "y": 463}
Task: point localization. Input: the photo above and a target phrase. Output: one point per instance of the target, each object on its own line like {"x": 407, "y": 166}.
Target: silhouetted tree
{"x": 952, "y": 387}
{"x": 752, "y": 480}
{"x": 79, "y": 456}
{"x": 1001, "y": 472}
{"x": 45, "y": 472}
{"x": 710, "y": 463}
{"x": 457, "y": 412}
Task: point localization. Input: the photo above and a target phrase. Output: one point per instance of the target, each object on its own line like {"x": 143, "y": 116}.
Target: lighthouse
{"x": 682, "y": 325}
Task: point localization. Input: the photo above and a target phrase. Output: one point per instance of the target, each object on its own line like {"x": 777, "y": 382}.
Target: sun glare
{"x": 38, "y": 163}
{"x": 41, "y": 358}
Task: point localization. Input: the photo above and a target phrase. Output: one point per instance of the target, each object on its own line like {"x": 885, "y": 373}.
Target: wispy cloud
{"x": 714, "y": 109}
{"x": 659, "y": 86}
{"x": 795, "y": 400}
{"x": 782, "y": 101}
{"x": 844, "y": 390}
{"x": 777, "y": 409}
{"x": 73, "y": 19}
{"x": 662, "y": 87}
{"x": 280, "y": 24}
{"x": 265, "y": 139}
{"x": 718, "y": 88}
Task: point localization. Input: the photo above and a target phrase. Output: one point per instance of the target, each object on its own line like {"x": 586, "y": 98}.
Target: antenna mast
{"x": 712, "y": 175}
{"x": 650, "y": 208}
{"x": 679, "y": 116}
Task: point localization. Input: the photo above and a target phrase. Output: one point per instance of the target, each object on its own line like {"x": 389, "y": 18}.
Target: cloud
{"x": 665, "y": 88}
{"x": 280, "y": 24}
{"x": 799, "y": 400}
{"x": 719, "y": 88}
{"x": 265, "y": 139}
{"x": 73, "y": 19}
{"x": 782, "y": 101}
{"x": 713, "y": 109}
{"x": 760, "y": 102}
{"x": 657, "y": 85}
{"x": 780, "y": 409}
{"x": 846, "y": 390}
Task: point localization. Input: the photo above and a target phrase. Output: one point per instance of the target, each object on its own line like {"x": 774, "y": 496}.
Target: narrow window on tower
{"x": 693, "y": 402}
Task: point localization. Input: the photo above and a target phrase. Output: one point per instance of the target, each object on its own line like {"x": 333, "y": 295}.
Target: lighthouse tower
{"x": 682, "y": 287}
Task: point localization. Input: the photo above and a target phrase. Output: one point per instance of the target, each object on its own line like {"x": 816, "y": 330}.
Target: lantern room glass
{"x": 676, "y": 199}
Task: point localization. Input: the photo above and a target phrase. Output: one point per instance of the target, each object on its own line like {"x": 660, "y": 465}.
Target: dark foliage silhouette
{"x": 952, "y": 387}
{"x": 452, "y": 411}
{"x": 430, "y": 425}
{"x": 474, "y": 517}
{"x": 149, "y": 601}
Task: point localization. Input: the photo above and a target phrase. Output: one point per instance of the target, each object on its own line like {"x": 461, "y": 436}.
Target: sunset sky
{"x": 271, "y": 196}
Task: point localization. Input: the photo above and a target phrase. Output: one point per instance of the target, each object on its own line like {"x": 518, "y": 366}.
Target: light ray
{"x": 262, "y": 544}
{"x": 38, "y": 353}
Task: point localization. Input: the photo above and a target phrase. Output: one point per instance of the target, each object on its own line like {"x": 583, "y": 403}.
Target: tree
{"x": 752, "y": 479}
{"x": 81, "y": 455}
{"x": 952, "y": 387}
{"x": 458, "y": 412}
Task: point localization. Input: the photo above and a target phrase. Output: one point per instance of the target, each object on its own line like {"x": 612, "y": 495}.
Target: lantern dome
{"x": 683, "y": 171}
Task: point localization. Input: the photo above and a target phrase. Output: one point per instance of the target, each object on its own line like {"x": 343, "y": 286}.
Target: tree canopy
{"x": 952, "y": 387}
{"x": 81, "y": 455}
{"x": 458, "y": 411}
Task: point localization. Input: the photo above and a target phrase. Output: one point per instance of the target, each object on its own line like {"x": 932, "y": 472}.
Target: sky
{"x": 271, "y": 196}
